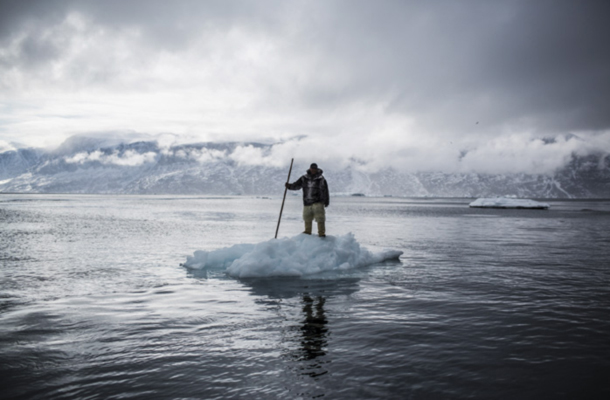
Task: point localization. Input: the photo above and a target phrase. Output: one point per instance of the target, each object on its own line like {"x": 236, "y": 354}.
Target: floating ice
{"x": 503, "y": 202}
{"x": 296, "y": 256}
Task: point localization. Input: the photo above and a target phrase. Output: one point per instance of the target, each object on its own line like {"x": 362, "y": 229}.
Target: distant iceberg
{"x": 296, "y": 256}
{"x": 504, "y": 202}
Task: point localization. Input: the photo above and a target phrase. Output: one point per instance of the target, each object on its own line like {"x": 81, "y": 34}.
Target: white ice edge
{"x": 503, "y": 202}
{"x": 295, "y": 256}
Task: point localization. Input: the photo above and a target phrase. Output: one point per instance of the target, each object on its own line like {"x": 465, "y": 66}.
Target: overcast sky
{"x": 498, "y": 86}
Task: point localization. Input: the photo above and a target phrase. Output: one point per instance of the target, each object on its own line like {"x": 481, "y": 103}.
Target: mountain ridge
{"x": 90, "y": 165}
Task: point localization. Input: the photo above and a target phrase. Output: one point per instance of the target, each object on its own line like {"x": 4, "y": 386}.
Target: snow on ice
{"x": 504, "y": 202}
{"x": 296, "y": 256}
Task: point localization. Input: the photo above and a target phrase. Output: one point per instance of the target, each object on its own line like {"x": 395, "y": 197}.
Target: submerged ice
{"x": 295, "y": 256}
{"x": 507, "y": 202}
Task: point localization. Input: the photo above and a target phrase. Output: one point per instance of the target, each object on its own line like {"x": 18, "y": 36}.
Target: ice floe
{"x": 295, "y": 256}
{"x": 506, "y": 202}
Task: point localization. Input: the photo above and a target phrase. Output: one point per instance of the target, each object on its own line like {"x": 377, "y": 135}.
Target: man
{"x": 315, "y": 198}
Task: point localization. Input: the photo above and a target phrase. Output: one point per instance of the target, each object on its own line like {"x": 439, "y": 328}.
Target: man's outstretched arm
{"x": 298, "y": 184}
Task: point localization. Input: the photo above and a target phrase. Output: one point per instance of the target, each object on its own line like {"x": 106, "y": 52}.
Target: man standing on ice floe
{"x": 315, "y": 198}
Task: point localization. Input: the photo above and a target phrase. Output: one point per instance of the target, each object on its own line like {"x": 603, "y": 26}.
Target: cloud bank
{"x": 128, "y": 158}
{"x": 512, "y": 86}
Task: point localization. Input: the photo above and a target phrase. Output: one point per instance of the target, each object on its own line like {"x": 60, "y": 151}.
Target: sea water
{"x": 95, "y": 302}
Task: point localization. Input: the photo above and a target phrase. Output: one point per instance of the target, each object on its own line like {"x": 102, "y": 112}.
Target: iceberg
{"x": 298, "y": 256}
{"x": 504, "y": 202}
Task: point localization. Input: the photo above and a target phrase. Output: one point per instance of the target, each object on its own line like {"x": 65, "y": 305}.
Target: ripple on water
{"x": 505, "y": 305}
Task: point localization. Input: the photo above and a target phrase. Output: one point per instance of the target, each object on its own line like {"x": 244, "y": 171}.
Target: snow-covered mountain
{"x": 90, "y": 165}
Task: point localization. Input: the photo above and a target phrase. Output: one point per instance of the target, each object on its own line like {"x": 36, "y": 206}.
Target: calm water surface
{"x": 491, "y": 304}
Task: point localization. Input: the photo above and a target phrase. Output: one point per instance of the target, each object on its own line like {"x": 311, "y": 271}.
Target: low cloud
{"x": 517, "y": 152}
{"x": 202, "y": 156}
{"x": 510, "y": 154}
{"x": 5, "y": 146}
{"x": 128, "y": 158}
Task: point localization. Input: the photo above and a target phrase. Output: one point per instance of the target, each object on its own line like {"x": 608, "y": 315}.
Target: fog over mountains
{"x": 93, "y": 165}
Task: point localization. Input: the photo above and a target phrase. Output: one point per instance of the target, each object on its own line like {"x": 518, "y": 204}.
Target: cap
{"x": 314, "y": 166}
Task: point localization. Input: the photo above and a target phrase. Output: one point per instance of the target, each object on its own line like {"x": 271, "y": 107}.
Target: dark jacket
{"x": 315, "y": 188}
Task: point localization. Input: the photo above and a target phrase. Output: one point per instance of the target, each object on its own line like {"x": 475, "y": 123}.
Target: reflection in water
{"x": 314, "y": 335}
{"x": 301, "y": 304}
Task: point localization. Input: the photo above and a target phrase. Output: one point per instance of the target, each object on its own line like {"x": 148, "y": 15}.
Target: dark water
{"x": 492, "y": 304}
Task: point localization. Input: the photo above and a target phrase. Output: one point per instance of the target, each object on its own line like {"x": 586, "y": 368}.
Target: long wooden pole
{"x": 283, "y": 200}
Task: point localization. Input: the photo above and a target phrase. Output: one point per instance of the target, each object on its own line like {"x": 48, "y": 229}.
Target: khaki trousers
{"x": 315, "y": 211}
